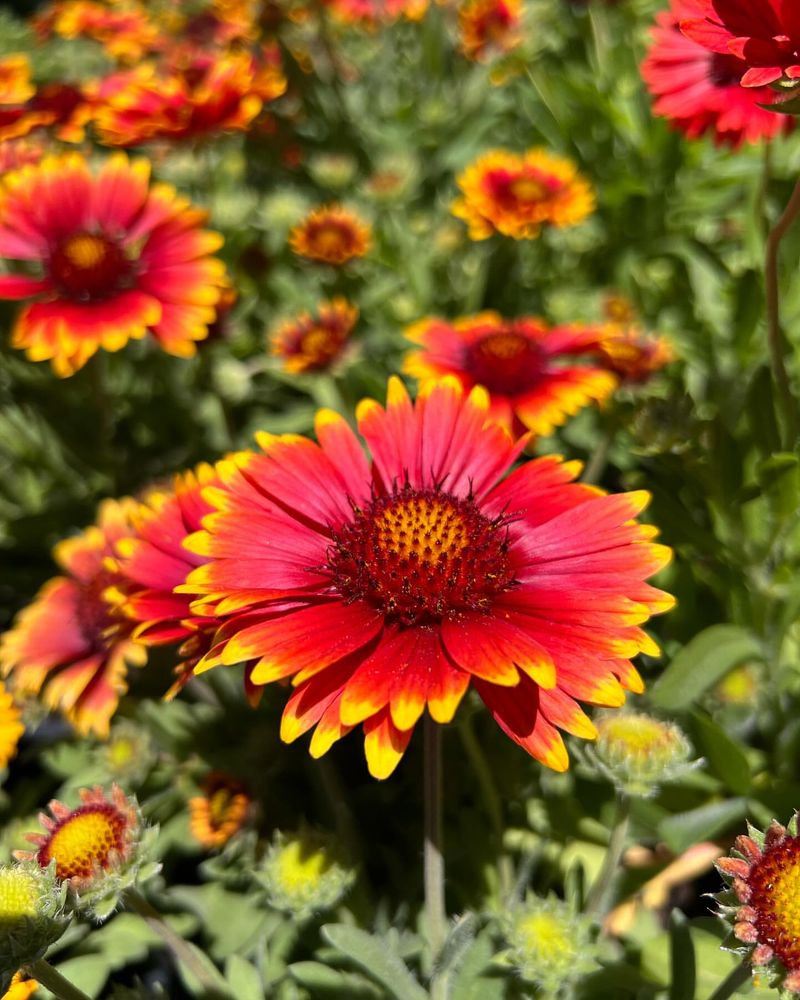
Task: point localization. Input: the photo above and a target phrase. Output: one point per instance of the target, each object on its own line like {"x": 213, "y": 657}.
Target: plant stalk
{"x": 787, "y": 404}
{"x": 598, "y": 900}
{"x": 433, "y": 860}
{"x": 729, "y": 986}
{"x": 43, "y": 972}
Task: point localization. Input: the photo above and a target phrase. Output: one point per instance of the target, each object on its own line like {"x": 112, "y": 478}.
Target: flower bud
{"x": 638, "y": 752}
{"x": 304, "y": 873}
{"x": 550, "y": 945}
{"x": 31, "y": 916}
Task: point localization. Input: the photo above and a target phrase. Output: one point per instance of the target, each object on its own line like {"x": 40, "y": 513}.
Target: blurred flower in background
{"x": 488, "y": 28}
{"x": 220, "y": 812}
{"x": 314, "y": 342}
{"x": 331, "y": 234}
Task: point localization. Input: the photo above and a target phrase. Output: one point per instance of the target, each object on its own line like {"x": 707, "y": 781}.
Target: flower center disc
{"x": 330, "y": 238}
{"x": 87, "y": 266}
{"x": 84, "y": 840}
{"x": 775, "y": 883}
{"x": 505, "y": 362}
{"x": 528, "y": 189}
{"x": 422, "y": 555}
{"x": 319, "y": 346}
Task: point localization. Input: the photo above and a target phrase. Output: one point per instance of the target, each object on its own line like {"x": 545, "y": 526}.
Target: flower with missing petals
{"x": 516, "y": 194}
{"x": 383, "y": 586}
{"x": 763, "y": 875}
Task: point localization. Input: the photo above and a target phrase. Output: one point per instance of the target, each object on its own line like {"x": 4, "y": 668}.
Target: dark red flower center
{"x": 505, "y": 362}
{"x": 774, "y": 881}
{"x": 95, "y": 617}
{"x": 87, "y": 266}
{"x": 319, "y": 346}
{"x": 724, "y": 70}
{"x": 421, "y": 556}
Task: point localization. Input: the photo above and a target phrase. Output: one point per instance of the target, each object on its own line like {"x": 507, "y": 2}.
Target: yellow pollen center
{"x": 329, "y": 238}
{"x": 84, "y": 841}
{"x": 503, "y": 346}
{"x": 423, "y": 529}
{"x": 636, "y": 735}
{"x": 528, "y": 189}
{"x": 19, "y": 895}
{"x": 299, "y": 868}
{"x": 85, "y": 251}
{"x": 218, "y": 806}
{"x": 121, "y": 753}
{"x": 545, "y": 934}
{"x": 774, "y": 882}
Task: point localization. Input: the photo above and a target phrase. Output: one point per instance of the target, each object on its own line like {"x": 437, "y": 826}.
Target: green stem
{"x": 728, "y": 987}
{"x": 787, "y": 404}
{"x": 596, "y": 466}
{"x": 598, "y": 900}
{"x": 433, "y": 860}
{"x": 134, "y": 900}
{"x": 43, "y": 972}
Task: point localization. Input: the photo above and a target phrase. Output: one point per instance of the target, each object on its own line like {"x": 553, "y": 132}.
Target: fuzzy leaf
{"x": 371, "y": 954}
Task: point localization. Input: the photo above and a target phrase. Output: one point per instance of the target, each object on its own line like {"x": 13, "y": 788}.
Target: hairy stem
{"x": 786, "y": 403}
{"x": 43, "y": 972}
{"x": 600, "y": 895}
{"x": 436, "y": 916}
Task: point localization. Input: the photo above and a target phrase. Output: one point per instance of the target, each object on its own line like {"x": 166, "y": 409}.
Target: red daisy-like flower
{"x": 699, "y": 91}
{"x": 70, "y": 641}
{"x": 529, "y": 369}
{"x": 489, "y": 27}
{"x": 313, "y": 343}
{"x": 118, "y": 258}
{"x": 763, "y": 34}
{"x": 387, "y": 585}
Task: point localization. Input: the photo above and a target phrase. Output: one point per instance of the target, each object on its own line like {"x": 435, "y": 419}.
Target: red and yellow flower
{"x": 630, "y": 354}
{"x": 117, "y": 258}
{"x": 763, "y": 873}
{"x": 698, "y": 90}
{"x": 97, "y": 836}
{"x": 489, "y": 27}
{"x": 20, "y": 989}
{"x": 123, "y": 27}
{"x": 310, "y": 343}
{"x": 70, "y": 643}
{"x": 16, "y": 90}
{"x": 515, "y": 194}
{"x": 387, "y": 585}
{"x": 197, "y": 94}
{"x": 11, "y": 727}
{"x": 220, "y": 812}
{"x": 374, "y": 12}
{"x": 529, "y": 370}
{"x": 331, "y": 234}
{"x": 764, "y": 35}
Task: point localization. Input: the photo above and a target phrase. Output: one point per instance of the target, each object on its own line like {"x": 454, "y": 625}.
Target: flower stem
{"x": 728, "y": 987}
{"x": 787, "y": 404}
{"x": 597, "y": 902}
{"x": 176, "y": 944}
{"x": 43, "y": 972}
{"x": 436, "y": 916}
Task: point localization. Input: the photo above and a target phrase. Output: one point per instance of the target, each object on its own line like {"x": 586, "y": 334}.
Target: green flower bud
{"x": 550, "y": 945}
{"x": 31, "y": 916}
{"x": 304, "y": 873}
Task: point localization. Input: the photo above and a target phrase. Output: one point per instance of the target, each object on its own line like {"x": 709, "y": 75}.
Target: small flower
{"x": 740, "y": 686}
{"x": 638, "y": 752}
{"x": 333, "y": 170}
{"x": 129, "y": 753}
{"x": 117, "y": 259}
{"x": 395, "y": 175}
{"x": 763, "y": 875}
{"x": 331, "y": 234}
{"x": 220, "y": 812}
{"x": 515, "y": 194}
{"x": 630, "y": 354}
{"x": 69, "y": 643}
{"x": 550, "y": 945}
{"x": 11, "y": 727}
{"x": 533, "y": 374}
{"x": 310, "y": 343}
{"x": 98, "y": 849}
{"x": 489, "y": 27}
{"x": 122, "y": 28}
{"x": 304, "y": 874}
{"x": 31, "y": 916}
{"x": 619, "y": 309}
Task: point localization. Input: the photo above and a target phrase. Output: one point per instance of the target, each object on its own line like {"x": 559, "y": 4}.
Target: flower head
{"x": 550, "y": 945}
{"x": 97, "y": 849}
{"x": 220, "y": 812}
{"x": 698, "y": 90}
{"x": 63, "y": 107}
{"x": 489, "y": 27}
{"x": 630, "y": 354}
{"x": 764, "y": 35}
{"x": 118, "y": 259}
{"x": 311, "y": 343}
{"x": 385, "y": 585}
{"x": 304, "y": 873}
{"x": 11, "y": 727}
{"x": 331, "y": 234}
{"x": 370, "y": 13}
{"x": 515, "y": 194}
{"x": 763, "y": 873}
{"x": 69, "y": 641}
{"x": 129, "y": 753}
{"x": 530, "y": 371}
{"x": 638, "y": 752}
{"x": 31, "y": 917}
{"x": 123, "y": 28}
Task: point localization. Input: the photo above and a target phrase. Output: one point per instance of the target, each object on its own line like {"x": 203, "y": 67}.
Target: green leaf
{"x": 372, "y": 955}
{"x": 701, "y": 663}
{"x": 323, "y": 981}
{"x": 684, "y": 972}
{"x": 475, "y": 979}
{"x": 684, "y": 829}
{"x": 243, "y": 979}
{"x": 725, "y": 757}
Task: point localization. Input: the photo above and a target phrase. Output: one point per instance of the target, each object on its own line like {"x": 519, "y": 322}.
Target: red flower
{"x": 530, "y": 371}
{"x": 70, "y": 641}
{"x": 387, "y": 585}
{"x": 118, "y": 258}
{"x": 763, "y": 34}
{"x": 699, "y": 91}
